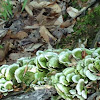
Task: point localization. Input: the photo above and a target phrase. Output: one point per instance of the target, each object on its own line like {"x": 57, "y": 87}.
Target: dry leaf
{"x": 17, "y": 89}
{"x": 59, "y": 32}
{"x": 73, "y": 12}
{"x": 19, "y": 35}
{"x": 15, "y": 56}
{"x": 34, "y": 47}
{"x": 49, "y": 19}
{"x": 29, "y": 11}
{"x": 46, "y": 34}
{"x": 42, "y": 4}
{"x": 2, "y": 33}
{"x": 84, "y": 54}
{"x": 35, "y": 26}
{"x": 40, "y": 18}
{"x": 59, "y": 20}
{"x": 66, "y": 24}
{"x": 56, "y": 8}
{"x": 70, "y": 29}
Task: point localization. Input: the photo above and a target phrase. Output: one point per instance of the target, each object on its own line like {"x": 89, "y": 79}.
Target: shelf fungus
{"x": 77, "y": 53}
{"x": 72, "y": 81}
{"x": 5, "y": 85}
{"x": 10, "y": 71}
{"x": 25, "y": 74}
{"x": 69, "y": 71}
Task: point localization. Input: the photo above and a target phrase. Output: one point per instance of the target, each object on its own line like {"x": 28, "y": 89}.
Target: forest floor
{"x": 47, "y": 24}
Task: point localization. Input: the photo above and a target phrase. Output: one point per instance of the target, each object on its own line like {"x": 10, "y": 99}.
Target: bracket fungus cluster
{"x": 73, "y": 71}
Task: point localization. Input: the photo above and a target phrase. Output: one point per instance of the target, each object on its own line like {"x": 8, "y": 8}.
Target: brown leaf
{"x": 29, "y": 11}
{"x": 41, "y": 4}
{"x": 73, "y": 12}
{"x": 19, "y": 35}
{"x": 17, "y": 89}
{"x": 48, "y": 17}
{"x": 46, "y": 34}
{"x": 67, "y": 23}
{"x": 41, "y": 17}
{"x": 3, "y": 33}
{"x": 15, "y": 56}
{"x": 1, "y": 95}
{"x": 56, "y": 8}
{"x": 35, "y": 26}
{"x": 84, "y": 54}
{"x": 34, "y": 47}
{"x": 59, "y": 20}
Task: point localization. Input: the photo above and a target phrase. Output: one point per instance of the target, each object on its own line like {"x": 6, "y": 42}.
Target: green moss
{"x": 84, "y": 0}
{"x": 65, "y": 16}
{"x": 1, "y": 46}
{"x": 88, "y": 25}
{"x": 75, "y": 3}
{"x": 85, "y": 28}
